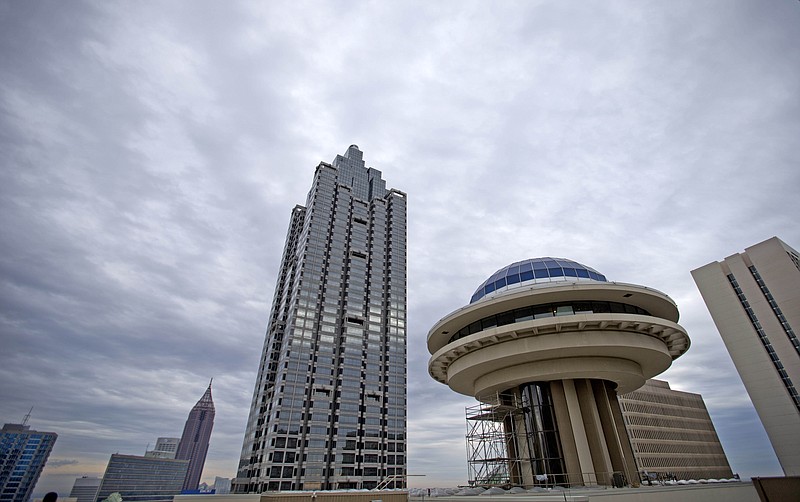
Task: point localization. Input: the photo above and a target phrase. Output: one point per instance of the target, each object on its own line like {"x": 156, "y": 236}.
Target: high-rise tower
{"x": 328, "y": 409}
{"x": 754, "y": 299}
{"x": 23, "y": 453}
{"x": 194, "y": 440}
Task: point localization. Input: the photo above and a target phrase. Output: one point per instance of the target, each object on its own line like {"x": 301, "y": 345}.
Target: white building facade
{"x": 754, "y": 300}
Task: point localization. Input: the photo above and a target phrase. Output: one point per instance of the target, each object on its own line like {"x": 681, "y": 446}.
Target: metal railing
{"x": 615, "y": 479}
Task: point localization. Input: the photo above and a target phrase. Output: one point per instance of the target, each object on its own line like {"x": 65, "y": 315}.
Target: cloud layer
{"x": 150, "y": 155}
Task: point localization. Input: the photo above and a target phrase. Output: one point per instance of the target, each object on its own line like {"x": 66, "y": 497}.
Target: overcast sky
{"x": 151, "y": 153}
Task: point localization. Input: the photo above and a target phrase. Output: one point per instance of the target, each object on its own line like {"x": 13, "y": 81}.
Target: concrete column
{"x": 568, "y": 429}
{"x": 605, "y": 397}
{"x": 630, "y": 469}
{"x": 601, "y": 460}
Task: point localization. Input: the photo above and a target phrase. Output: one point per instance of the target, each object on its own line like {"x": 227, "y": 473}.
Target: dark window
{"x": 489, "y": 322}
{"x": 524, "y": 314}
{"x": 505, "y": 318}
{"x": 540, "y": 311}
{"x": 601, "y": 307}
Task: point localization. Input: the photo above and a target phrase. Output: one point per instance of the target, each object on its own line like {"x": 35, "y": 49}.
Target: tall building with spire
{"x": 194, "y": 440}
{"x": 329, "y": 405}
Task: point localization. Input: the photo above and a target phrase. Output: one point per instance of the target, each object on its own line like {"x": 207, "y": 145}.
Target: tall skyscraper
{"x": 329, "y": 405}
{"x": 23, "y": 453}
{"x": 194, "y": 440}
{"x": 142, "y": 479}
{"x": 754, "y": 299}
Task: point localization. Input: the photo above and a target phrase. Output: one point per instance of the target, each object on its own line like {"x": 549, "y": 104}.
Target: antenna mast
{"x": 27, "y": 417}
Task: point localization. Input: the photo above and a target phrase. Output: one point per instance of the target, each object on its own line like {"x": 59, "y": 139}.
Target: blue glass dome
{"x": 536, "y": 270}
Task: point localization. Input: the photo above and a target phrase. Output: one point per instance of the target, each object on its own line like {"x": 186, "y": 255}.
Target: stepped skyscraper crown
{"x": 194, "y": 440}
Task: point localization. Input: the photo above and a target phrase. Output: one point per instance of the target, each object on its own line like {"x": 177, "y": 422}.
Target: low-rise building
{"x": 85, "y": 489}
{"x": 139, "y": 479}
{"x": 672, "y": 434}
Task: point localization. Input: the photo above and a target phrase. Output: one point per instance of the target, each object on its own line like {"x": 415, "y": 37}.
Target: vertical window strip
{"x": 762, "y": 336}
{"x": 787, "y": 328}
{"x": 795, "y": 259}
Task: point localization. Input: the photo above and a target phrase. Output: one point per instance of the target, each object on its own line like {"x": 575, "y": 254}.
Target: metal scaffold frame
{"x": 491, "y": 437}
{"x": 496, "y": 451}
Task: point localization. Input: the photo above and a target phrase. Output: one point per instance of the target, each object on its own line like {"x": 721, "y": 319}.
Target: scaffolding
{"x": 498, "y": 450}
{"x": 492, "y": 442}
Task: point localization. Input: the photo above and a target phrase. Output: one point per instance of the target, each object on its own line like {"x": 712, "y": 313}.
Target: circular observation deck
{"x": 521, "y": 327}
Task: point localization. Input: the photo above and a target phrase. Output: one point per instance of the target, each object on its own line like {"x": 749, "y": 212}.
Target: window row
{"x": 547, "y": 310}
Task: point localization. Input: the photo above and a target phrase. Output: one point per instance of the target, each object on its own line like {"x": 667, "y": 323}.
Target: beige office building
{"x": 672, "y": 434}
{"x": 754, "y": 299}
{"x": 545, "y": 345}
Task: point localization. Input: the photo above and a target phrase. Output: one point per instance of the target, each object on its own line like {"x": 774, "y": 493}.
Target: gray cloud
{"x": 61, "y": 462}
{"x": 151, "y": 154}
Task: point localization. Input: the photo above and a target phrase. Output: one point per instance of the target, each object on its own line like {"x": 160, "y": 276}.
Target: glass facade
{"x": 541, "y": 432}
{"x": 23, "y": 454}
{"x": 329, "y": 406}
{"x": 536, "y": 270}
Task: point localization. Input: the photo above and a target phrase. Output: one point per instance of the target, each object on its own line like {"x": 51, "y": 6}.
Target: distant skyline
{"x": 151, "y": 153}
